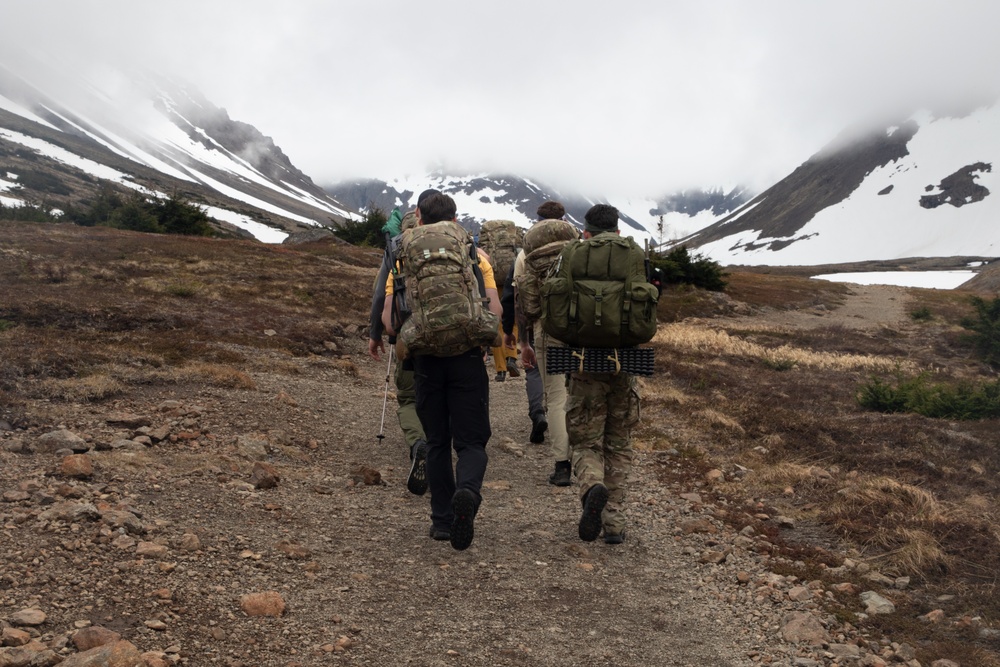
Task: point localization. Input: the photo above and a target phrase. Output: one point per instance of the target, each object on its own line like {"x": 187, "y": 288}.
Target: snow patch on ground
{"x": 928, "y": 279}
{"x": 260, "y": 231}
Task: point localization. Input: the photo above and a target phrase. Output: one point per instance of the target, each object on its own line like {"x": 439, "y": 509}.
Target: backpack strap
{"x": 476, "y": 271}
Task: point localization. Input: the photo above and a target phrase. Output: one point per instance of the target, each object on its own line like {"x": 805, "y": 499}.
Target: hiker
{"x": 601, "y": 410}
{"x": 450, "y": 310}
{"x": 501, "y": 241}
{"x": 542, "y": 244}
{"x": 406, "y": 400}
{"x": 533, "y": 379}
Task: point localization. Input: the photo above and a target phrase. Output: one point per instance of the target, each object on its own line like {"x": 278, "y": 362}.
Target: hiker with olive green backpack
{"x": 597, "y": 298}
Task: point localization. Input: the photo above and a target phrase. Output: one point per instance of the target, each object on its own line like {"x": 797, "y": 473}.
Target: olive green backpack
{"x": 597, "y": 294}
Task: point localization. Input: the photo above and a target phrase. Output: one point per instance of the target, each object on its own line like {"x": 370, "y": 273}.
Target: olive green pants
{"x": 406, "y": 399}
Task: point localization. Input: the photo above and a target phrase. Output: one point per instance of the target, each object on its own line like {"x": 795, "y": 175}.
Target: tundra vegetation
{"x": 880, "y": 442}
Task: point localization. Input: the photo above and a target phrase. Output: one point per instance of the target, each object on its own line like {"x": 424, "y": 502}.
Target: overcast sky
{"x": 627, "y": 99}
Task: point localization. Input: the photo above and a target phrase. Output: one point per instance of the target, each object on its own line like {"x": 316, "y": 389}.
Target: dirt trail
{"x": 864, "y": 307}
{"x": 363, "y": 582}
{"x": 528, "y": 591}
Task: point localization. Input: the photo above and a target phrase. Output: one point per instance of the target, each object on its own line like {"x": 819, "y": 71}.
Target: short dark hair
{"x": 427, "y": 193}
{"x": 551, "y": 210}
{"x": 601, "y": 218}
{"x": 436, "y": 208}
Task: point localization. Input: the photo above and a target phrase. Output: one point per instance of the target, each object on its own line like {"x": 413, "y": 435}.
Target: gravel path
{"x": 362, "y": 582}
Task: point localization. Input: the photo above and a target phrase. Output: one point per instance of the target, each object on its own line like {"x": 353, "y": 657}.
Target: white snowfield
{"x": 60, "y": 154}
{"x": 928, "y": 279}
{"x": 873, "y": 226}
{"x": 155, "y": 141}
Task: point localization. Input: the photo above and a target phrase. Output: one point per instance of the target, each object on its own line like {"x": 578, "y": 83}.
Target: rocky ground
{"x": 269, "y": 526}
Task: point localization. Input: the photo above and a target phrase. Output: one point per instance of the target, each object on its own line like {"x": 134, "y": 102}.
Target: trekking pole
{"x": 385, "y": 398}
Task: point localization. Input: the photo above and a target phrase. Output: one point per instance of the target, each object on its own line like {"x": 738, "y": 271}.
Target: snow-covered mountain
{"x": 924, "y": 187}
{"x": 483, "y": 197}
{"x": 918, "y": 188}
{"x": 153, "y": 134}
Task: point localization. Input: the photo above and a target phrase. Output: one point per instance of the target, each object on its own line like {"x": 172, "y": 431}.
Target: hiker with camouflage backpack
{"x": 542, "y": 245}
{"x": 446, "y": 309}
{"x": 501, "y": 241}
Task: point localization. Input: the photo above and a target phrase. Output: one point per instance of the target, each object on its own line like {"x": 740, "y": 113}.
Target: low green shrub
{"x": 778, "y": 364}
{"x": 27, "y": 213}
{"x": 963, "y": 400}
{"x": 131, "y": 210}
{"x": 985, "y": 328}
{"x": 680, "y": 267}
{"x": 367, "y": 231}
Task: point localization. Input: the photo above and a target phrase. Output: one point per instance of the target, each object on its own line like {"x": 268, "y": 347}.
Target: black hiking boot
{"x": 464, "y": 506}
{"x": 439, "y": 534}
{"x": 538, "y": 428}
{"x": 501, "y": 376}
{"x": 614, "y": 538}
{"x": 593, "y": 504}
{"x": 512, "y": 369}
{"x": 561, "y": 475}
{"x": 416, "y": 481}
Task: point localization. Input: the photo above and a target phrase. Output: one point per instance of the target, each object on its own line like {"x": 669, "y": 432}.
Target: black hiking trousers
{"x": 453, "y": 403}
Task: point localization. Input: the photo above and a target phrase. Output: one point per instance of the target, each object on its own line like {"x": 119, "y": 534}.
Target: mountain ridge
{"x": 482, "y": 197}
{"x": 917, "y": 188}
{"x": 179, "y": 142}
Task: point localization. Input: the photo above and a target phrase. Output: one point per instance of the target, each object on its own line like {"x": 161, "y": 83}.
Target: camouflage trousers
{"x": 406, "y": 403}
{"x": 601, "y": 410}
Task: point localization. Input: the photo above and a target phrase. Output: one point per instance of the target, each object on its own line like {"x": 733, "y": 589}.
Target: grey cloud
{"x": 641, "y": 98}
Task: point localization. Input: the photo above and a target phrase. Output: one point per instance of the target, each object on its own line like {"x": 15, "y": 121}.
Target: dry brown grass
{"x": 87, "y": 312}
{"x": 90, "y": 314}
{"x": 709, "y": 341}
{"x": 216, "y": 375}
{"x": 916, "y": 496}
{"x": 946, "y": 306}
{"x": 779, "y": 475}
{"x": 82, "y": 389}
{"x": 783, "y": 292}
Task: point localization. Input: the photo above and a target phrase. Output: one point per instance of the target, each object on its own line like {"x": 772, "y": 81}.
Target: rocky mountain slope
{"x": 508, "y": 197}
{"x": 920, "y": 188}
{"x": 59, "y": 141}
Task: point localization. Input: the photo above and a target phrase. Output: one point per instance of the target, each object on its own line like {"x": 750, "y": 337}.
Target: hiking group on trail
{"x": 572, "y": 309}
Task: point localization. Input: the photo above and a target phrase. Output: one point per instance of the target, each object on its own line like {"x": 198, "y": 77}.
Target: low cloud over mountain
{"x": 925, "y": 187}
{"x": 921, "y": 187}
{"x": 153, "y": 134}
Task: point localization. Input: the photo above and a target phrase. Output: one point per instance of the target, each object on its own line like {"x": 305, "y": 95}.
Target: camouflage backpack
{"x": 542, "y": 245}
{"x": 501, "y": 240}
{"x": 442, "y": 289}
{"x": 597, "y": 294}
